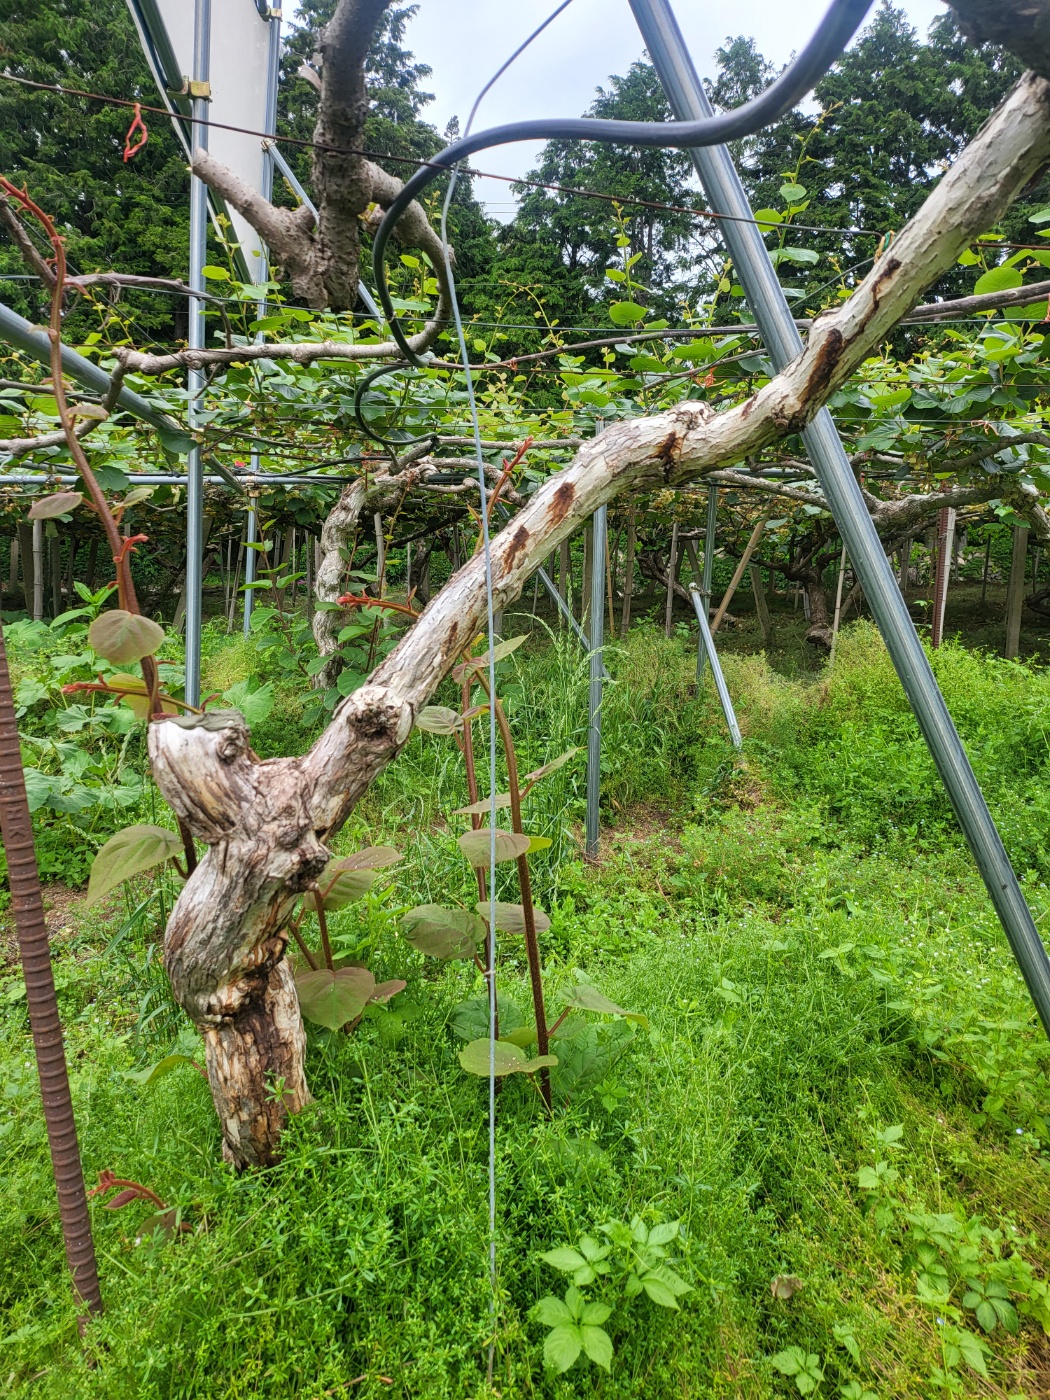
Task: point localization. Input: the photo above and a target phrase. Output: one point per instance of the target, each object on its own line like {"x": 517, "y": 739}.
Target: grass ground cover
{"x": 840, "y": 1093}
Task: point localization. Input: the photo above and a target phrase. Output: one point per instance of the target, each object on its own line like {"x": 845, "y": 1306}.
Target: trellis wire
{"x": 491, "y": 629}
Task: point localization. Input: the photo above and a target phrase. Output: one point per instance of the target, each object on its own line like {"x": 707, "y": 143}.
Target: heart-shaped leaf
{"x": 484, "y": 805}
{"x": 61, "y": 503}
{"x": 443, "y": 933}
{"x": 438, "y": 719}
{"x": 588, "y": 998}
{"x": 136, "y": 697}
{"x": 551, "y": 767}
{"x": 510, "y": 918}
{"x": 121, "y": 636}
{"x": 385, "y": 990}
{"x": 998, "y": 279}
{"x": 333, "y": 998}
{"x": 351, "y": 877}
{"x": 476, "y": 846}
{"x": 626, "y": 313}
{"x": 128, "y": 853}
{"x": 342, "y": 887}
{"x": 470, "y": 1019}
{"x": 500, "y": 1057}
{"x": 152, "y": 1073}
{"x": 523, "y": 1036}
{"x": 371, "y": 858}
{"x": 134, "y": 498}
{"x": 480, "y": 663}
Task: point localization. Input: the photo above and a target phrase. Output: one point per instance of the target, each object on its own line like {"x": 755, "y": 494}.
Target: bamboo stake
{"x": 761, "y": 605}
{"x": 609, "y": 593}
{"x": 1015, "y": 592}
{"x": 671, "y": 564}
{"x": 628, "y": 573}
{"x": 738, "y": 574}
{"x": 838, "y": 608}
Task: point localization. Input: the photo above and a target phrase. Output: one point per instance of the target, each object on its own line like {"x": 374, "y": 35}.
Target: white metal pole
{"x": 707, "y": 644}
{"x": 250, "y": 559}
{"x": 199, "y": 92}
{"x": 599, "y": 541}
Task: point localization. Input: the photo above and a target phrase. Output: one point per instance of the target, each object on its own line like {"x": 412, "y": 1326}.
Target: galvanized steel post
{"x": 714, "y": 165}
{"x": 599, "y": 543}
{"x": 196, "y": 339}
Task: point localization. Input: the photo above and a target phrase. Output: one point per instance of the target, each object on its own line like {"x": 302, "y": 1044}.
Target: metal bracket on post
{"x": 706, "y": 649}
{"x": 766, "y": 298}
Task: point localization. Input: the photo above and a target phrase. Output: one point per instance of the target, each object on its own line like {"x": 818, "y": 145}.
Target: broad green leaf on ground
{"x": 802, "y": 1366}
{"x": 562, "y": 1347}
{"x": 585, "y": 1058}
{"x": 254, "y": 701}
{"x": 333, "y": 998}
{"x": 551, "y": 1311}
{"x": 500, "y": 1057}
{"x": 128, "y": 853}
{"x": 597, "y": 1343}
{"x": 510, "y": 918}
{"x": 152, "y": 1073}
{"x": 121, "y": 636}
{"x": 476, "y": 845}
{"x": 441, "y": 932}
{"x": 470, "y": 1019}
{"x": 587, "y": 998}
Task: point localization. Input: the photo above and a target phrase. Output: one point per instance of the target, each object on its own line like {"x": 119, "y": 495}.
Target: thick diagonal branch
{"x": 266, "y": 824}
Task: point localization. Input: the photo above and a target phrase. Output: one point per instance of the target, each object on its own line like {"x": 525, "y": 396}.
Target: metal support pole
{"x": 709, "y": 539}
{"x": 195, "y": 378}
{"x": 766, "y": 299}
{"x": 17, "y": 331}
{"x": 707, "y": 648}
{"x": 599, "y": 544}
{"x": 250, "y": 560}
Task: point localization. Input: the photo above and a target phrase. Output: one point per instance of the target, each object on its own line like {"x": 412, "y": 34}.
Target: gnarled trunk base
{"x": 256, "y": 1070}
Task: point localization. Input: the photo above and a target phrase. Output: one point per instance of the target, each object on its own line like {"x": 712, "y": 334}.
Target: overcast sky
{"x": 465, "y": 41}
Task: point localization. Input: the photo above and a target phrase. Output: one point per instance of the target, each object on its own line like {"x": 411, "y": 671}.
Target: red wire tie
{"x": 137, "y": 125}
